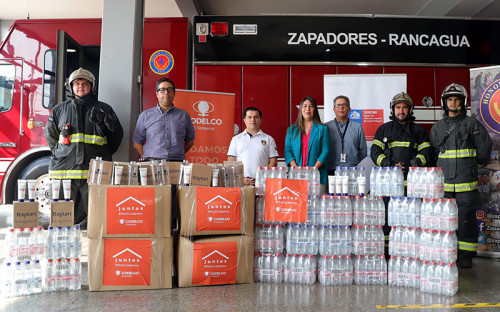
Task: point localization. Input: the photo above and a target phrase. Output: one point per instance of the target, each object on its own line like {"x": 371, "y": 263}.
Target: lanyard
{"x": 342, "y": 135}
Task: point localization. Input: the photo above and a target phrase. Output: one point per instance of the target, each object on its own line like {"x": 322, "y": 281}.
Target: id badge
{"x": 343, "y": 158}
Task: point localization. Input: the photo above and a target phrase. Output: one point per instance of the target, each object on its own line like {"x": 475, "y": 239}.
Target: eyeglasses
{"x": 341, "y": 105}
{"x": 163, "y": 90}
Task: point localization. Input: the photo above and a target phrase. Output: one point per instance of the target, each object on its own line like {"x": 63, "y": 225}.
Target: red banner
{"x": 213, "y": 119}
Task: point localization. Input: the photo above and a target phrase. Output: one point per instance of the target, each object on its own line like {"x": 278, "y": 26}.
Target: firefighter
{"x": 461, "y": 144}
{"x": 78, "y": 130}
{"x": 400, "y": 142}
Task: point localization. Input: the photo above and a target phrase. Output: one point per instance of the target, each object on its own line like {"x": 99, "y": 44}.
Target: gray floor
{"x": 477, "y": 287}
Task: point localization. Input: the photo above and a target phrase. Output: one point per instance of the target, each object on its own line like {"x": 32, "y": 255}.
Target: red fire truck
{"x": 269, "y": 62}
{"x": 28, "y": 56}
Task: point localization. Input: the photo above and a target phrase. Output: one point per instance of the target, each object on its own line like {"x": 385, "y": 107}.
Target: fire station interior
{"x": 478, "y": 287}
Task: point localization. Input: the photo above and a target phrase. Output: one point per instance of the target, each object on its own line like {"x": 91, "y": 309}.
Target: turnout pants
{"x": 467, "y": 232}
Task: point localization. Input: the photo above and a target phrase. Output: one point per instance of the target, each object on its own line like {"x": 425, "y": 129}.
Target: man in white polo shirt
{"x": 253, "y": 147}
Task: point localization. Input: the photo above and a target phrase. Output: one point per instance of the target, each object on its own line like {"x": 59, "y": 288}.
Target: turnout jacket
{"x": 87, "y": 139}
{"x": 466, "y": 147}
{"x": 395, "y": 142}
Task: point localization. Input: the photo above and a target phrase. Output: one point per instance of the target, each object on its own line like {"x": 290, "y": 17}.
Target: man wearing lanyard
{"x": 347, "y": 138}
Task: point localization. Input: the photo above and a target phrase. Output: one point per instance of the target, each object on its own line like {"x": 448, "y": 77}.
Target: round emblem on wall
{"x": 161, "y": 62}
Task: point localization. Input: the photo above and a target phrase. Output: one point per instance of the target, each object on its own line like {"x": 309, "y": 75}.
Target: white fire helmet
{"x": 81, "y": 73}
{"x": 454, "y": 89}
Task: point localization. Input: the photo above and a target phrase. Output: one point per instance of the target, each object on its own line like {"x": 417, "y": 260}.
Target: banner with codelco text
{"x": 212, "y": 114}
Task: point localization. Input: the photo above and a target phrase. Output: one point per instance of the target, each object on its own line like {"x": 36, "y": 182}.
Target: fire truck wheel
{"x": 36, "y": 169}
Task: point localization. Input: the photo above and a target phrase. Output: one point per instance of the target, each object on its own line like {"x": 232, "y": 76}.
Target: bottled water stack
{"x": 335, "y": 270}
{"x": 335, "y": 210}
{"x": 425, "y": 182}
{"x": 368, "y": 210}
{"x": 387, "y": 181}
{"x": 370, "y": 270}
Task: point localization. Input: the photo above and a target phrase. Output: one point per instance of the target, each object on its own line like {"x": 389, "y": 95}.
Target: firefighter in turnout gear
{"x": 400, "y": 142}
{"x": 78, "y": 130}
{"x": 461, "y": 145}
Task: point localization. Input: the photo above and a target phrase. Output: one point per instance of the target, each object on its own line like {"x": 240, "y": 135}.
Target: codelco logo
{"x": 134, "y": 214}
{"x": 214, "y": 263}
{"x": 218, "y": 209}
{"x": 203, "y": 108}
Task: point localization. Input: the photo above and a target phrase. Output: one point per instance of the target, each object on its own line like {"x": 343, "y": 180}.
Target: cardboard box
{"x": 25, "y": 214}
{"x": 174, "y": 171}
{"x": 130, "y": 263}
{"x": 215, "y": 260}
{"x": 107, "y": 172}
{"x": 216, "y": 210}
{"x": 62, "y": 213}
{"x": 129, "y": 211}
{"x": 201, "y": 175}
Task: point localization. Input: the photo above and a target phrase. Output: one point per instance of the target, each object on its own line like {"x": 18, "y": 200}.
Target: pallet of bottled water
{"x": 38, "y": 260}
{"x": 423, "y": 244}
{"x": 387, "y": 181}
{"x": 425, "y": 182}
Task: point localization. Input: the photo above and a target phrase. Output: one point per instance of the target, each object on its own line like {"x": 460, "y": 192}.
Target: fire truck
{"x": 30, "y": 85}
{"x": 269, "y": 62}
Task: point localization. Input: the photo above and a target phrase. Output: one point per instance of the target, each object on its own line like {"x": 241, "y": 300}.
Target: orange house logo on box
{"x": 215, "y": 260}
{"x": 126, "y": 262}
{"x": 218, "y": 209}
{"x": 285, "y": 200}
{"x": 285, "y": 196}
{"x": 125, "y": 259}
{"x": 133, "y": 215}
{"x": 214, "y": 263}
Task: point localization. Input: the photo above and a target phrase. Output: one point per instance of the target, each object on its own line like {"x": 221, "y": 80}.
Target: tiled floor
{"x": 477, "y": 286}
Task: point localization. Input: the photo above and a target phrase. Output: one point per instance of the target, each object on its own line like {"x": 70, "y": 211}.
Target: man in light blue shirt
{"x": 164, "y": 131}
{"x": 347, "y": 138}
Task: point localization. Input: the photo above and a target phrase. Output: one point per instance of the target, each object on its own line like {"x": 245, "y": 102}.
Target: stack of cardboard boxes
{"x": 216, "y": 235}
{"x": 129, "y": 231}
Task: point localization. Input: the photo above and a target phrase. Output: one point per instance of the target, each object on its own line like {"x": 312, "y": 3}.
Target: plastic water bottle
{"x": 314, "y": 181}
{"x": 375, "y": 181}
{"x": 77, "y": 241}
{"x": 28, "y": 277}
{"x": 67, "y": 275}
{"x": 19, "y": 282}
{"x": 11, "y": 244}
{"x": 58, "y": 275}
{"x": 450, "y": 277}
{"x": 50, "y": 276}
{"x": 37, "y": 277}
{"x": 7, "y": 280}
{"x": 313, "y": 209}
{"x": 50, "y": 243}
